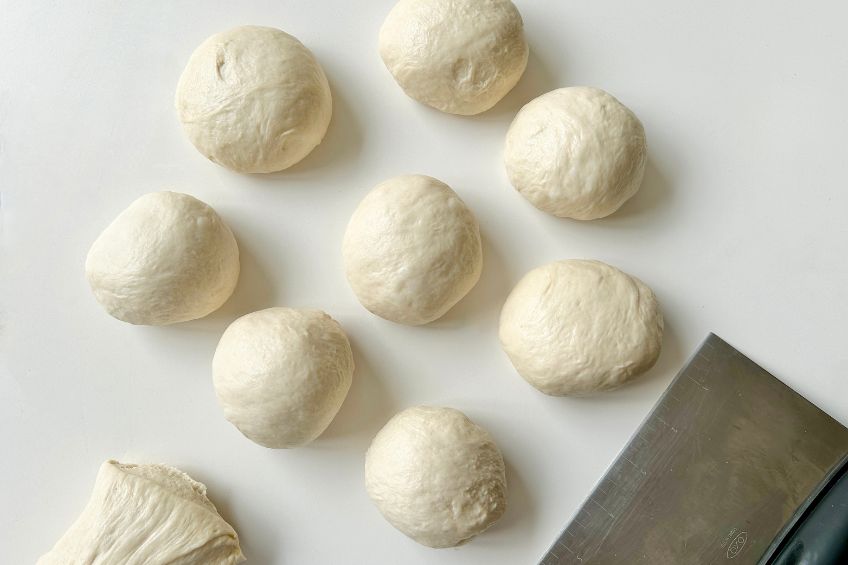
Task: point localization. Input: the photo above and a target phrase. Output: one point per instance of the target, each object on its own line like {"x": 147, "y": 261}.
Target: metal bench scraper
{"x": 731, "y": 466}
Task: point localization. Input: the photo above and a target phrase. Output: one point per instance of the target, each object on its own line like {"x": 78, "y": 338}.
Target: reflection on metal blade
{"x": 711, "y": 476}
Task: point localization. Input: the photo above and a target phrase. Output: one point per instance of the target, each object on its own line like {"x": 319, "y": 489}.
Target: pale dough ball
{"x": 575, "y": 327}
{"x": 576, "y": 153}
{"x": 436, "y": 476}
{"x": 282, "y": 374}
{"x": 167, "y": 258}
{"x": 458, "y": 56}
{"x": 412, "y": 250}
{"x": 146, "y": 515}
{"x": 254, "y": 100}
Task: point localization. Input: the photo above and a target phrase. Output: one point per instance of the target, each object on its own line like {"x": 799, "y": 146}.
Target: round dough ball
{"x": 282, "y": 374}
{"x": 254, "y": 100}
{"x": 575, "y": 327}
{"x": 167, "y": 258}
{"x": 412, "y": 250}
{"x": 576, "y": 153}
{"x": 458, "y": 56}
{"x": 436, "y": 476}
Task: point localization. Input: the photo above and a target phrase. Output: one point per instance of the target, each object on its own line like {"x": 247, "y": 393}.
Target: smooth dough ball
{"x": 458, "y": 56}
{"x": 167, "y": 258}
{"x": 282, "y": 374}
{"x": 146, "y": 515}
{"x": 254, "y": 100}
{"x": 576, "y": 153}
{"x": 412, "y": 250}
{"x": 436, "y": 476}
{"x": 575, "y": 327}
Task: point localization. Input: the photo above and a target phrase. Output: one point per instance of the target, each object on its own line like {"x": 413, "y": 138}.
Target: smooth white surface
{"x": 740, "y": 228}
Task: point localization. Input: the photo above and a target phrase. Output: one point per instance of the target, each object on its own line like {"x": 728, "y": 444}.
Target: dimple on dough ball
{"x": 281, "y": 374}
{"x": 576, "y": 153}
{"x": 412, "y": 250}
{"x": 458, "y": 56}
{"x": 167, "y": 258}
{"x": 436, "y": 476}
{"x": 254, "y": 100}
{"x": 575, "y": 327}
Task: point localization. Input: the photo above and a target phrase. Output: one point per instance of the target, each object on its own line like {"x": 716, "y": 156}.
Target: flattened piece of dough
{"x": 146, "y": 515}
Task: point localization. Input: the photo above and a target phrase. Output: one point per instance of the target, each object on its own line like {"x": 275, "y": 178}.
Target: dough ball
{"x": 576, "y": 327}
{"x": 147, "y": 515}
{"x": 167, "y": 258}
{"x": 412, "y": 250}
{"x": 458, "y": 56}
{"x": 436, "y": 476}
{"x": 254, "y": 100}
{"x": 282, "y": 374}
{"x": 576, "y": 153}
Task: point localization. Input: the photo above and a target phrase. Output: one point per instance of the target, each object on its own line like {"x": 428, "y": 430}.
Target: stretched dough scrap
{"x": 146, "y": 515}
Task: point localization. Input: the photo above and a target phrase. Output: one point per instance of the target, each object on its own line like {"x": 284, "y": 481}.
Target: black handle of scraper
{"x": 818, "y": 532}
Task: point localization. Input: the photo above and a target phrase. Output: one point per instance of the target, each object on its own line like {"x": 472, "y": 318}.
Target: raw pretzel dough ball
{"x": 167, "y": 258}
{"x": 575, "y": 327}
{"x": 254, "y": 100}
{"x": 282, "y": 374}
{"x": 576, "y": 153}
{"x": 412, "y": 250}
{"x": 458, "y": 56}
{"x": 436, "y": 476}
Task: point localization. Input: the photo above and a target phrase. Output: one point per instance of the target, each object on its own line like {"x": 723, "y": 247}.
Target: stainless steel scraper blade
{"x": 718, "y": 467}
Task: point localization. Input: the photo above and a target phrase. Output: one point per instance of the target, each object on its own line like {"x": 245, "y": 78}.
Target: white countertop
{"x": 740, "y": 228}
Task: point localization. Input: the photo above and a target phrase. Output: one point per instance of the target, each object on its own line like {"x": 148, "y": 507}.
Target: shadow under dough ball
{"x": 412, "y": 250}
{"x": 578, "y": 326}
{"x": 167, "y": 258}
{"x": 254, "y": 100}
{"x": 458, "y": 56}
{"x": 281, "y": 375}
{"x": 436, "y": 476}
{"x": 576, "y": 153}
